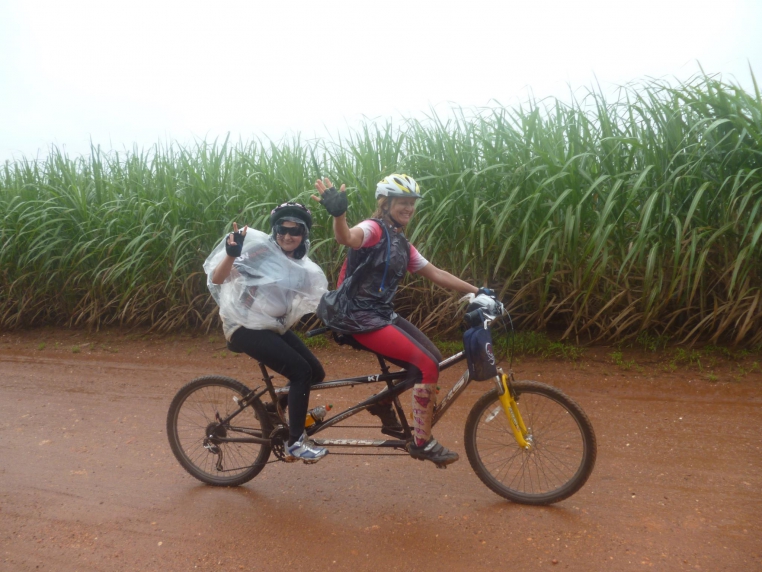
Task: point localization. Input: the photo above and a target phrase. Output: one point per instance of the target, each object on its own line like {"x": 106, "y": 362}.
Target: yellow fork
{"x": 511, "y": 410}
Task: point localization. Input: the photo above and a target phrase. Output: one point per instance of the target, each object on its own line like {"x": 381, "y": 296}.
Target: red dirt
{"x": 88, "y": 482}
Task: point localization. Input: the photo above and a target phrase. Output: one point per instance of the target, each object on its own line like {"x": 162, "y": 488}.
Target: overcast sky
{"x": 124, "y": 73}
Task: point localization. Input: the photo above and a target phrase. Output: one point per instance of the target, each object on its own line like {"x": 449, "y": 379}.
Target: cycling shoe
{"x": 390, "y": 425}
{"x": 432, "y": 451}
{"x": 304, "y": 450}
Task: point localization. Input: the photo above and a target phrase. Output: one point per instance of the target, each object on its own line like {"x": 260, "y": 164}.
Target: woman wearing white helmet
{"x": 263, "y": 287}
{"x": 362, "y": 305}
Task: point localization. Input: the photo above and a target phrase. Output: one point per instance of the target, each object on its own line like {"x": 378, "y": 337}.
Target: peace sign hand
{"x": 335, "y": 202}
{"x": 234, "y": 243}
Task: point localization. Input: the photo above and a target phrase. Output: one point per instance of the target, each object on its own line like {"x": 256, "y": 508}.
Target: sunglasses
{"x": 297, "y": 230}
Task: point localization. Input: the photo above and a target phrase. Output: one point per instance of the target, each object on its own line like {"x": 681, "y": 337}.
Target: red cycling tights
{"x": 404, "y": 345}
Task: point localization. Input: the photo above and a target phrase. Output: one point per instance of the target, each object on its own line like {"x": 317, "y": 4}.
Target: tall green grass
{"x": 599, "y": 218}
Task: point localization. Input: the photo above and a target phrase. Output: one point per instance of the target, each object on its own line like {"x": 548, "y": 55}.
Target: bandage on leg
{"x": 424, "y": 447}
{"x": 424, "y": 398}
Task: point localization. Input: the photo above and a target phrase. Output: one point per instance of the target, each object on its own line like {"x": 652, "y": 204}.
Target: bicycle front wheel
{"x": 213, "y": 452}
{"x": 561, "y": 453}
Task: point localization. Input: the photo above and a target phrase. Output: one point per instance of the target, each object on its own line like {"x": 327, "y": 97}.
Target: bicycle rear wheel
{"x": 198, "y": 440}
{"x": 562, "y": 445}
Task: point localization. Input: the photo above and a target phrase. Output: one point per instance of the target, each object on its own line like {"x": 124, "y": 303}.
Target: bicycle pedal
{"x": 393, "y": 433}
{"x": 308, "y": 461}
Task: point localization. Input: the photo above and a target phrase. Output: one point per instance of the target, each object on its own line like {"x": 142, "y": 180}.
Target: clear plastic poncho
{"x": 266, "y": 290}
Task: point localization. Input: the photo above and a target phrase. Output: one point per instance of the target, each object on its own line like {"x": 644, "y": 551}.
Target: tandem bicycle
{"x": 527, "y": 441}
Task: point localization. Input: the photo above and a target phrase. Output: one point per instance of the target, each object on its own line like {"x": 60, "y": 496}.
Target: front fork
{"x": 511, "y": 409}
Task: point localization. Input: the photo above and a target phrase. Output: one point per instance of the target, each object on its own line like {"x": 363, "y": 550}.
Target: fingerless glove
{"x": 335, "y": 202}
{"x": 234, "y": 250}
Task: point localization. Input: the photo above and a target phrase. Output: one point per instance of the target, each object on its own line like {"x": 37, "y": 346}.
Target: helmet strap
{"x": 300, "y": 250}
{"x": 393, "y": 221}
{"x": 386, "y": 210}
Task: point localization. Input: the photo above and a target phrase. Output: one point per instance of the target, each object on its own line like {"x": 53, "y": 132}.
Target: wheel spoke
{"x": 197, "y": 410}
{"x": 561, "y": 453}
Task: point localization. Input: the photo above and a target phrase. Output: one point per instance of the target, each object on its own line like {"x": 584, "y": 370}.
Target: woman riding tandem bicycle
{"x": 362, "y": 305}
{"x": 263, "y": 287}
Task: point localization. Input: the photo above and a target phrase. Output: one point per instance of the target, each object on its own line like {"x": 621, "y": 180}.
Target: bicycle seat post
{"x": 382, "y": 363}
{"x": 267, "y": 378}
{"x": 396, "y": 400}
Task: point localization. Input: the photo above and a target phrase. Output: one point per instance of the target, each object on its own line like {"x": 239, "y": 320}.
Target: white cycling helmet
{"x": 398, "y": 186}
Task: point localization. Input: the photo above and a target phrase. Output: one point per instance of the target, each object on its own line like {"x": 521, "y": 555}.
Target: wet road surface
{"x": 88, "y": 482}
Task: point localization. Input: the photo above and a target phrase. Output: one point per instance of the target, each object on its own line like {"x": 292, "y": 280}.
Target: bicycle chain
{"x": 372, "y": 454}
{"x": 280, "y": 435}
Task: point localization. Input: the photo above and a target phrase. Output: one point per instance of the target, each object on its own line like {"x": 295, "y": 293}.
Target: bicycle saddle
{"x": 233, "y": 348}
{"x": 348, "y": 340}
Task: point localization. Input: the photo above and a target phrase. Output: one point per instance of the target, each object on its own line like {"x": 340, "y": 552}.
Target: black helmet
{"x": 291, "y": 211}
{"x": 297, "y": 213}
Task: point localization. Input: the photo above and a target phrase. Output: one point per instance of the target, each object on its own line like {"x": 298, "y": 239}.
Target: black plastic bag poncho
{"x": 364, "y": 301}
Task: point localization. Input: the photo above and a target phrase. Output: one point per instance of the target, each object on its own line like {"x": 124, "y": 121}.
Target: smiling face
{"x": 402, "y": 209}
{"x": 287, "y": 242}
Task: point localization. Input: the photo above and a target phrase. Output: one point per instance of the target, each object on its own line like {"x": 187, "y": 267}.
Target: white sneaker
{"x": 304, "y": 450}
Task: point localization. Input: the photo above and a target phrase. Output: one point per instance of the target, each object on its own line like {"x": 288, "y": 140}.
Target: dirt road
{"x": 88, "y": 482}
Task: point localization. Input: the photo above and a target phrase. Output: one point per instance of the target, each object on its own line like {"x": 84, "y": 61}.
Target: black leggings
{"x": 287, "y": 355}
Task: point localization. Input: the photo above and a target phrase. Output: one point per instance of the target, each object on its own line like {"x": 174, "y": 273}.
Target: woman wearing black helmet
{"x": 363, "y": 303}
{"x": 263, "y": 287}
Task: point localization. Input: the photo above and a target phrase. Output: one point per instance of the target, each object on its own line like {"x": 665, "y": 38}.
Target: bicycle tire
{"x": 193, "y": 409}
{"x": 563, "y": 449}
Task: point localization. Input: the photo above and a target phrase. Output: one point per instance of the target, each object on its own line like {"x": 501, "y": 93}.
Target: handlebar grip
{"x": 317, "y": 332}
{"x": 474, "y": 318}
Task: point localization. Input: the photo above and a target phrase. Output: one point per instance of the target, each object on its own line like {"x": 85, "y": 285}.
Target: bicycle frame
{"x": 392, "y": 390}
{"x": 556, "y": 446}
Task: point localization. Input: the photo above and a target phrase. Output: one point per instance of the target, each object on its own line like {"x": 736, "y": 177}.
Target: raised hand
{"x": 335, "y": 202}
{"x": 234, "y": 243}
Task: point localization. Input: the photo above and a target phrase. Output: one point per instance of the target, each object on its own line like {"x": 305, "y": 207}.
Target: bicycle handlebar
{"x": 482, "y": 309}
{"x": 317, "y": 332}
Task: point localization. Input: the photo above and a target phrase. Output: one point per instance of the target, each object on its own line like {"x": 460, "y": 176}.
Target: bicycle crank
{"x": 278, "y": 440}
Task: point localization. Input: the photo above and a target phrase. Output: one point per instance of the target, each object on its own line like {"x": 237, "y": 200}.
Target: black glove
{"x": 234, "y": 250}
{"x": 335, "y": 202}
{"x": 487, "y": 292}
